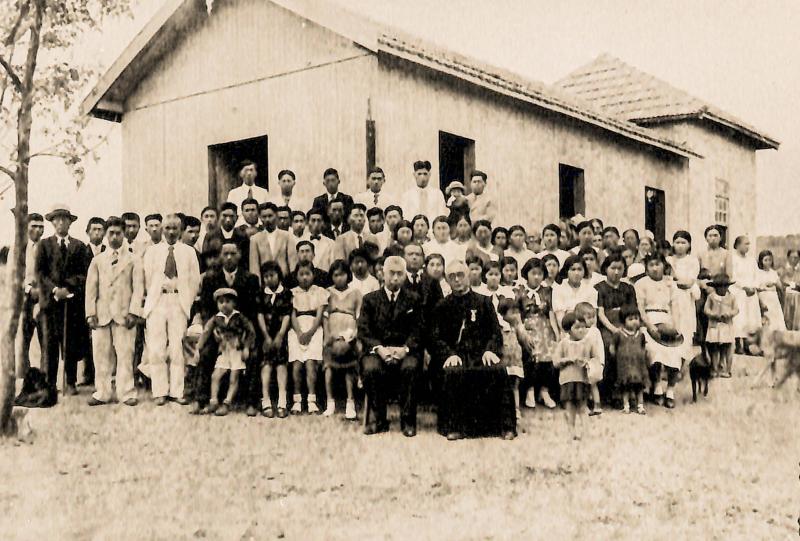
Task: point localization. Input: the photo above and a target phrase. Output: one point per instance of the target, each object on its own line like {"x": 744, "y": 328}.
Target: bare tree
{"x": 39, "y": 81}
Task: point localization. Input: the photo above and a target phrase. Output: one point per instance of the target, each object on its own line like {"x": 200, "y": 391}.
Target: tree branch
{"x": 11, "y": 74}
{"x": 24, "y": 9}
{"x": 8, "y": 172}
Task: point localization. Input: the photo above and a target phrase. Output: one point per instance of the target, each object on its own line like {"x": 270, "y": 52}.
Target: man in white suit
{"x": 356, "y": 236}
{"x": 113, "y": 304}
{"x": 171, "y": 277}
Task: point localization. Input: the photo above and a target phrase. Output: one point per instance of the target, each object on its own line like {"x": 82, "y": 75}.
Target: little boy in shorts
{"x": 235, "y": 337}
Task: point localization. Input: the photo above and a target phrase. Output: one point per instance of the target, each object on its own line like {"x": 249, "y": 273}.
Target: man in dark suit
{"x": 30, "y": 319}
{"x": 418, "y": 281}
{"x": 330, "y": 179}
{"x": 227, "y": 230}
{"x": 389, "y": 329}
{"x": 336, "y": 224}
{"x": 229, "y": 274}
{"x": 476, "y": 397}
{"x": 61, "y": 264}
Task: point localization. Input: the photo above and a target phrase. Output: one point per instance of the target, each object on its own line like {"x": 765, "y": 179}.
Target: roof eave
{"x": 760, "y": 141}
{"x": 539, "y": 101}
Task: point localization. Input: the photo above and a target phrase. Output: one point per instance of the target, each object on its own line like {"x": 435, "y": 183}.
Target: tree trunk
{"x": 12, "y": 299}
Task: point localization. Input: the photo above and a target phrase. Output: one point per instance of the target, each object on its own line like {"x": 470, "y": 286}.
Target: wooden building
{"x": 306, "y": 85}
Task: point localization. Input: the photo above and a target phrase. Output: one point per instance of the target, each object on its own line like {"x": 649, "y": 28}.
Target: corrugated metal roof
{"x": 626, "y": 92}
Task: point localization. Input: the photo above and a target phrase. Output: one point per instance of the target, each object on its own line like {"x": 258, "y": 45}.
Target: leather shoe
{"x": 376, "y": 428}
{"x": 70, "y": 390}
{"x": 410, "y": 431}
{"x": 251, "y": 411}
{"x": 131, "y": 402}
{"x": 453, "y": 436}
{"x": 160, "y": 401}
{"x": 509, "y": 435}
{"x": 182, "y": 401}
{"x": 95, "y": 402}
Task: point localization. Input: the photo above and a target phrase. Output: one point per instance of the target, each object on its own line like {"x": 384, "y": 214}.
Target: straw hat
{"x": 60, "y": 209}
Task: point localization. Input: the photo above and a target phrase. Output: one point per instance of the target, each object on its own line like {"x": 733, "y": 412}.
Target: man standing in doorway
{"x": 247, "y": 189}
{"x": 171, "y": 277}
{"x": 61, "y": 264}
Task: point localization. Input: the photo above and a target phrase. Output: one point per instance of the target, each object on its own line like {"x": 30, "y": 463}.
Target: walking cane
{"x": 63, "y": 369}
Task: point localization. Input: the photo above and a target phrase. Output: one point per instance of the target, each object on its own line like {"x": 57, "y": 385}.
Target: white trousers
{"x": 112, "y": 346}
{"x": 166, "y": 326}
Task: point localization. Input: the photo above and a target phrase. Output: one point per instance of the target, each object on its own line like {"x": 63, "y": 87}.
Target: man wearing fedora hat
{"x": 61, "y": 265}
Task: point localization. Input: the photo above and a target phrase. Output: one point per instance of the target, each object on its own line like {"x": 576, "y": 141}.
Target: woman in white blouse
{"x": 573, "y": 289}
{"x": 744, "y": 272}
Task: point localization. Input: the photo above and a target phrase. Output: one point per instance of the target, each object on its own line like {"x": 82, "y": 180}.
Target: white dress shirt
{"x": 368, "y": 199}
{"x": 238, "y": 195}
{"x": 427, "y": 201}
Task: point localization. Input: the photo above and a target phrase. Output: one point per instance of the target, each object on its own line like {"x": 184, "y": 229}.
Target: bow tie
{"x": 316, "y": 237}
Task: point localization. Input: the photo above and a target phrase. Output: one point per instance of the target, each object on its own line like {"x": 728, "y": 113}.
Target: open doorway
{"x": 655, "y": 212}
{"x": 571, "y": 191}
{"x": 223, "y": 165}
{"x": 456, "y": 159}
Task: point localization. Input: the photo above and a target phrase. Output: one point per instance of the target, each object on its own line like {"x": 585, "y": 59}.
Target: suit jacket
{"x": 260, "y": 252}
{"x": 348, "y": 241}
{"x": 53, "y": 271}
{"x": 321, "y": 202}
{"x": 151, "y": 274}
{"x": 466, "y": 326}
{"x": 91, "y": 251}
{"x": 328, "y": 231}
{"x": 112, "y": 291}
{"x": 429, "y": 292}
{"x": 378, "y": 325}
{"x": 247, "y": 290}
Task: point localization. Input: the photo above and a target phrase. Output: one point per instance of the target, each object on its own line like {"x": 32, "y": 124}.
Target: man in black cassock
{"x": 476, "y": 394}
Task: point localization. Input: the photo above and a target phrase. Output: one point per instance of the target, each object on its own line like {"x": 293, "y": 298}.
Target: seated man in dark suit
{"x": 476, "y": 396}
{"x": 389, "y": 329}
{"x": 330, "y": 179}
{"x": 231, "y": 275}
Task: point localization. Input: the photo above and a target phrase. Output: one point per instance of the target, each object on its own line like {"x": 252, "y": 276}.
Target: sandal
{"x": 268, "y": 412}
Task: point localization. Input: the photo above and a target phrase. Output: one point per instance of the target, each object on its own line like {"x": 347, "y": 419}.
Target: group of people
{"x": 419, "y": 298}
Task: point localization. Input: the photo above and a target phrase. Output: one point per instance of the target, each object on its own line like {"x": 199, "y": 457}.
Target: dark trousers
{"x": 54, "y": 329}
{"x": 29, "y": 325}
{"x": 375, "y": 373}
{"x": 88, "y": 364}
{"x": 476, "y": 401}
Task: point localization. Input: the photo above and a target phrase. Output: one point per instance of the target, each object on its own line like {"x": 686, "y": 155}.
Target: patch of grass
{"x": 721, "y": 469}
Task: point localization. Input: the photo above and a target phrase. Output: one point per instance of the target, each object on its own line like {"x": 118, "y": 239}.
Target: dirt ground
{"x": 726, "y": 468}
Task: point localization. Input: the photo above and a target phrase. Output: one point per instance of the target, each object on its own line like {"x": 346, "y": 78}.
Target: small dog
{"x": 700, "y": 373}
{"x": 782, "y": 352}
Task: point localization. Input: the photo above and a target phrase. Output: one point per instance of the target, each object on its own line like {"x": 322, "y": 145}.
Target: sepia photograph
{"x": 399, "y": 269}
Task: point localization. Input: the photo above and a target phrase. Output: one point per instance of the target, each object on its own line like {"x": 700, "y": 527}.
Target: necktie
{"x": 250, "y": 192}
{"x": 229, "y": 278}
{"x": 376, "y": 198}
{"x": 114, "y": 258}
{"x": 336, "y": 232}
{"x": 360, "y": 241}
{"x": 64, "y": 248}
{"x": 392, "y": 299}
{"x": 171, "y": 267}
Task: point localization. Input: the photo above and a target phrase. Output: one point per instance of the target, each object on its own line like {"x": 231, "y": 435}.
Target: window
{"x": 456, "y": 159}
{"x": 571, "y": 195}
{"x": 223, "y": 166}
{"x": 722, "y": 202}
{"x": 655, "y": 212}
